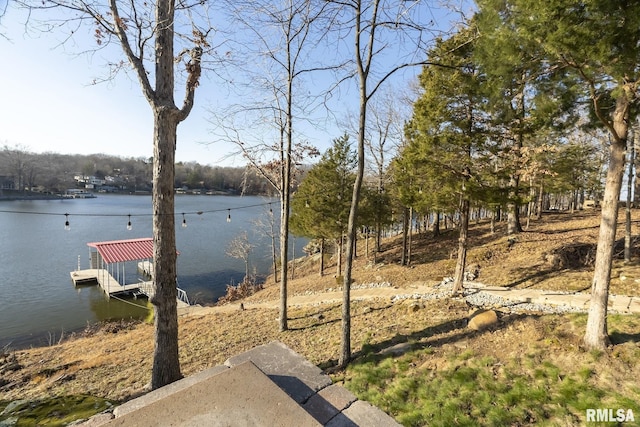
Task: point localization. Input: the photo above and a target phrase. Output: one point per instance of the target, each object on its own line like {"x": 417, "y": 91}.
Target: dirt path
{"x": 480, "y": 295}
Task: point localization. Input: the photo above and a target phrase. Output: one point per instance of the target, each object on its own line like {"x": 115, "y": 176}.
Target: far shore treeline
{"x": 27, "y": 174}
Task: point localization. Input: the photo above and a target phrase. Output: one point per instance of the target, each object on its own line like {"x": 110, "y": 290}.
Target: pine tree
{"x": 447, "y": 134}
{"x": 320, "y": 207}
{"x": 597, "y": 42}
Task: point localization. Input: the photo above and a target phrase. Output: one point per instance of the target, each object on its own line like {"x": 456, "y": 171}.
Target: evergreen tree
{"x": 447, "y": 134}
{"x": 525, "y": 98}
{"x": 320, "y": 207}
{"x": 597, "y": 42}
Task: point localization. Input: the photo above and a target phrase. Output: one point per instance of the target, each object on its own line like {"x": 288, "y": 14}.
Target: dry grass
{"x": 115, "y": 362}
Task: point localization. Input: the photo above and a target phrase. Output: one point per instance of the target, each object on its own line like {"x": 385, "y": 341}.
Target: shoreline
{"x": 27, "y": 197}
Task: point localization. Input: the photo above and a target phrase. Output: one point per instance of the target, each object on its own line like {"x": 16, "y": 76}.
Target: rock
{"x": 9, "y": 422}
{"x": 14, "y": 406}
{"x": 95, "y": 421}
{"x": 396, "y": 350}
{"x": 461, "y": 345}
{"x": 482, "y": 319}
{"x": 318, "y": 316}
{"x": 434, "y": 364}
{"x": 472, "y": 273}
{"x": 367, "y": 310}
{"x": 413, "y": 307}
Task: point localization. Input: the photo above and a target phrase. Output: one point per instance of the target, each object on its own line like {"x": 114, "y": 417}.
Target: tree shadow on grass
{"x": 315, "y": 325}
{"x": 623, "y": 337}
{"x": 320, "y": 322}
{"x": 449, "y": 332}
{"x": 534, "y": 275}
{"x": 537, "y": 276}
{"x": 568, "y": 230}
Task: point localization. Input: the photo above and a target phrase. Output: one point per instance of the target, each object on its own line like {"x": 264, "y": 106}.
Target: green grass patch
{"x": 56, "y": 411}
{"x": 476, "y": 391}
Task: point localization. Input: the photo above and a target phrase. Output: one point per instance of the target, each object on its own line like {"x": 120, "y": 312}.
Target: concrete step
{"x": 242, "y": 396}
{"x": 270, "y": 385}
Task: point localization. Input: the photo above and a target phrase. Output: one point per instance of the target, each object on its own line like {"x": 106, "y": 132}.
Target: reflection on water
{"x": 37, "y": 254}
{"x": 118, "y": 307}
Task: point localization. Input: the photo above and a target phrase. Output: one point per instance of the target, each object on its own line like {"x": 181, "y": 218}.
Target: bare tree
{"x": 373, "y": 24}
{"x": 631, "y": 142}
{"x": 147, "y": 33}
{"x": 240, "y": 248}
{"x": 266, "y": 226}
{"x": 280, "y": 39}
{"x": 384, "y": 136}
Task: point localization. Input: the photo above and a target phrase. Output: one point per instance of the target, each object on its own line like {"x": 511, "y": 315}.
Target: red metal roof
{"x": 124, "y": 250}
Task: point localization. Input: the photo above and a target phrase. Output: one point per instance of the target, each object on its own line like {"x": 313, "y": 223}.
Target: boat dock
{"x": 110, "y": 258}
{"x": 112, "y": 287}
{"x": 106, "y": 281}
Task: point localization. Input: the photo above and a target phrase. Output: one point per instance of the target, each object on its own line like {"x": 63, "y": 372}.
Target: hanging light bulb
{"x": 184, "y": 222}
{"x": 129, "y": 227}
{"x": 66, "y": 222}
{"x": 229, "y": 215}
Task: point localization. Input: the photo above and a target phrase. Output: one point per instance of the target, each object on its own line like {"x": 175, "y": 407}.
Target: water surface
{"x": 37, "y": 299}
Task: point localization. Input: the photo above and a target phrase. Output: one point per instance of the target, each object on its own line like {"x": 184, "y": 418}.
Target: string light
{"x": 67, "y": 224}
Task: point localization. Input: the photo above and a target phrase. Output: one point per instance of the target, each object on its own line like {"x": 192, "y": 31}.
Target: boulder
{"x": 482, "y": 319}
{"x": 414, "y": 306}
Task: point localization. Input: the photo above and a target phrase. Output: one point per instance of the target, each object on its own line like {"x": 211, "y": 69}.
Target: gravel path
{"x": 476, "y": 294}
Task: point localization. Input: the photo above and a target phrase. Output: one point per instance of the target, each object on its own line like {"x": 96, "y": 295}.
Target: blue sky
{"x": 48, "y": 103}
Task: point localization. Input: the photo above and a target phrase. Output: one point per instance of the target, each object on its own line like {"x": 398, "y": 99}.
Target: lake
{"x": 38, "y": 301}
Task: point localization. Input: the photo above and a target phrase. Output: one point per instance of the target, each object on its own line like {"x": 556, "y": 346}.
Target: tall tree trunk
{"x": 285, "y": 195}
{"x": 436, "y": 225}
{"x": 166, "y": 364}
{"x": 284, "y": 248}
{"x": 274, "y": 257}
{"x": 322, "y": 257}
{"x": 636, "y": 165}
{"x": 596, "y": 335}
{"x": 540, "y": 200}
{"x": 513, "y": 211}
{"x": 405, "y": 235}
{"x": 410, "y": 239}
{"x": 462, "y": 246}
{"x": 339, "y": 247}
{"x": 494, "y": 213}
{"x": 363, "y": 71}
{"x": 627, "y": 234}
{"x": 366, "y": 243}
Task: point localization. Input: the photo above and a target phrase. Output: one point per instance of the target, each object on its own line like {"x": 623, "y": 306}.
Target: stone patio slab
{"x": 239, "y": 397}
{"x": 298, "y": 377}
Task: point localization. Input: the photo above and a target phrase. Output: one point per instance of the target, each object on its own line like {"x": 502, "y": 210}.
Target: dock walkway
{"x": 106, "y": 281}
{"x": 111, "y": 286}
